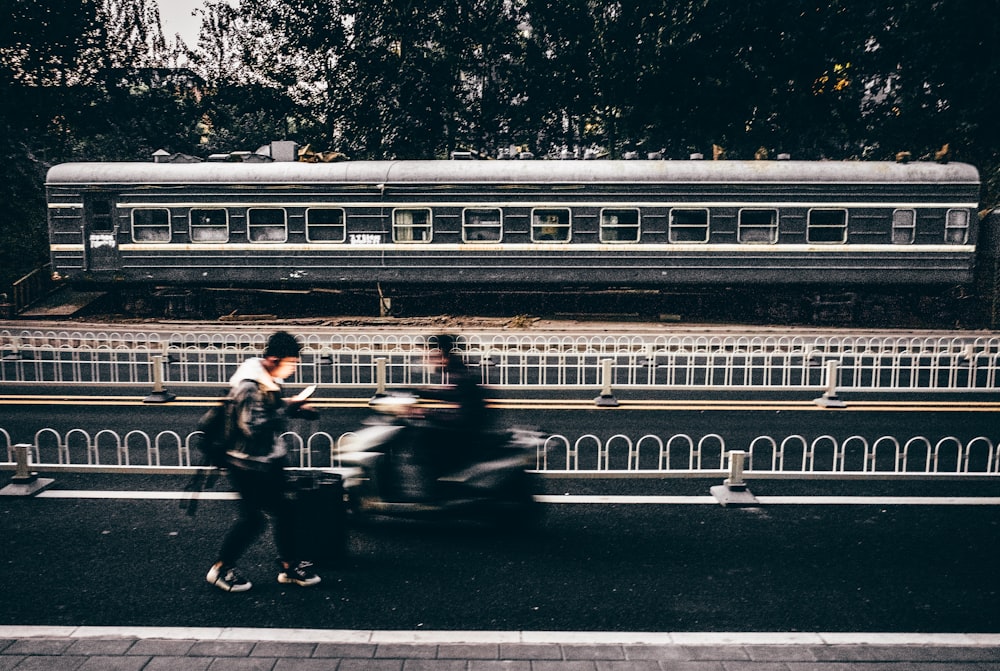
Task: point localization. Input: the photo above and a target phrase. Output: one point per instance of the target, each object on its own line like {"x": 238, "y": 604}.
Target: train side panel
{"x": 721, "y": 225}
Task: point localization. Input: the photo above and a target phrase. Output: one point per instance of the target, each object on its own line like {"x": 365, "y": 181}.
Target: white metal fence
{"x": 890, "y": 363}
{"x": 207, "y": 336}
{"x": 649, "y": 455}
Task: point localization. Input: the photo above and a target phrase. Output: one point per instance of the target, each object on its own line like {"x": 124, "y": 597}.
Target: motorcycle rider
{"x": 452, "y": 431}
{"x": 443, "y": 459}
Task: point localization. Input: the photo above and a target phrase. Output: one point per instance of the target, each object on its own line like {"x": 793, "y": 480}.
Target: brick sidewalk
{"x": 137, "y": 649}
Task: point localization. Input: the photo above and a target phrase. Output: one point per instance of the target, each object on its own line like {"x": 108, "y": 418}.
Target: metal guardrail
{"x": 32, "y": 287}
{"x": 650, "y": 455}
{"x": 481, "y": 344}
{"x": 944, "y": 367}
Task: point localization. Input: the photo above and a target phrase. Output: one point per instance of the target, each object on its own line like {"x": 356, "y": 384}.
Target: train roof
{"x": 512, "y": 172}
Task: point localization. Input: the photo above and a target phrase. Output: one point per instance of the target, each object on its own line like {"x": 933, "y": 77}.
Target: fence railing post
{"x": 381, "y": 367}
{"x": 24, "y": 482}
{"x": 607, "y": 398}
{"x": 733, "y": 490}
{"x": 967, "y": 356}
{"x": 829, "y": 399}
{"x": 12, "y": 351}
{"x": 159, "y": 394}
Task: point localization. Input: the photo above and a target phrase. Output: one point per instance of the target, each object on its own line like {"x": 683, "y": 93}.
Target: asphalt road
{"x": 609, "y": 567}
{"x": 590, "y": 566}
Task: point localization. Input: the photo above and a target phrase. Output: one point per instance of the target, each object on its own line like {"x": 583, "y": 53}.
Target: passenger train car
{"x": 795, "y": 227}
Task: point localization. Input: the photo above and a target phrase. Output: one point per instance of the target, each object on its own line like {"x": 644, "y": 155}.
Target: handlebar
{"x": 400, "y": 404}
{"x": 406, "y": 405}
{"x": 393, "y": 401}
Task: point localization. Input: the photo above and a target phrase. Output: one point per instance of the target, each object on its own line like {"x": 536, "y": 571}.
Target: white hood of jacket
{"x": 253, "y": 369}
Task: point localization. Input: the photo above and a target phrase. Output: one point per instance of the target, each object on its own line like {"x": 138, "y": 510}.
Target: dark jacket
{"x": 259, "y": 417}
{"x": 464, "y": 392}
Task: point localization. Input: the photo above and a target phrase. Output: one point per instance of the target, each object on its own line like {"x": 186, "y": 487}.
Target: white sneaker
{"x": 300, "y": 574}
{"x": 228, "y": 579}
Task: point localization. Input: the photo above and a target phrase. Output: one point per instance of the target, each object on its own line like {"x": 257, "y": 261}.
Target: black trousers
{"x": 260, "y": 492}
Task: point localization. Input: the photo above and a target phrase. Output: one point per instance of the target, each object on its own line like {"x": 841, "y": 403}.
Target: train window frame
{"x": 251, "y": 226}
{"x": 324, "y": 226}
{"x": 607, "y": 226}
{"x": 197, "y": 230}
{"x": 100, "y": 215}
{"x": 956, "y": 234}
{"x": 819, "y": 232}
{"x": 560, "y": 224}
{"x": 679, "y": 231}
{"x": 150, "y": 233}
{"x": 471, "y": 229}
{"x": 904, "y": 226}
{"x": 757, "y": 232}
{"x": 403, "y": 233}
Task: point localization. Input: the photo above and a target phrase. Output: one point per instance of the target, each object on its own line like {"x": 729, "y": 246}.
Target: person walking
{"x": 255, "y": 463}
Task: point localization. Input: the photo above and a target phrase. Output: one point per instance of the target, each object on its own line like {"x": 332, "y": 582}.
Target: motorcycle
{"x": 400, "y": 465}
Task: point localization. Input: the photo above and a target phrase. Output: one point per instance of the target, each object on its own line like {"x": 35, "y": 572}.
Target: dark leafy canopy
{"x": 42, "y": 47}
{"x": 837, "y": 79}
{"x": 833, "y": 79}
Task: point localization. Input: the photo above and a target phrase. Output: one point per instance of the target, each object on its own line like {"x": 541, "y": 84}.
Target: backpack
{"x": 215, "y": 426}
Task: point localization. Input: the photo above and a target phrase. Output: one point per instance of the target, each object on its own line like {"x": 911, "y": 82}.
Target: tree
{"x": 44, "y": 49}
{"x": 928, "y": 62}
{"x": 489, "y": 87}
{"x": 133, "y": 34}
{"x": 44, "y": 43}
{"x": 394, "y": 76}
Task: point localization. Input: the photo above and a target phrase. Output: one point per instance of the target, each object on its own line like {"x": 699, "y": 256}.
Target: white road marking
{"x": 586, "y": 499}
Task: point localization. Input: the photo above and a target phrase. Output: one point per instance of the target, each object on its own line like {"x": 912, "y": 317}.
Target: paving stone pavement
{"x": 158, "y": 649}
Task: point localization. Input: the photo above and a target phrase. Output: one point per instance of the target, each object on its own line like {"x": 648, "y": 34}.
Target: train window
{"x": 325, "y": 224}
{"x": 827, "y": 226}
{"x": 209, "y": 225}
{"x": 619, "y": 225}
{"x": 266, "y": 224}
{"x": 904, "y": 226}
{"x": 151, "y": 225}
{"x": 550, "y": 225}
{"x": 758, "y": 227}
{"x": 482, "y": 225}
{"x": 411, "y": 225}
{"x": 100, "y": 216}
{"x": 956, "y": 227}
{"x": 688, "y": 225}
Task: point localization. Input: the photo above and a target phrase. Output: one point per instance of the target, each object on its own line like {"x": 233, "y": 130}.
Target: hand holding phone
{"x": 304, "y": 394}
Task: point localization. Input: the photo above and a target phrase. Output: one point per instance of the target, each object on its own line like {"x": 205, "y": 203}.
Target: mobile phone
{"x": 307, "y": 392}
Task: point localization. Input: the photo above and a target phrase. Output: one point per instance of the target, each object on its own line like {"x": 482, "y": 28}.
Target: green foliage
{"x": 47, "y": 43}
{"x": 44, "y": 50}
{"x": 22, "y": 213}
{"x": 833, "y": 79}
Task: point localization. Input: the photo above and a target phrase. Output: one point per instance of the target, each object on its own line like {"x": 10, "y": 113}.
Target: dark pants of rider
{"x": 260, "y": 492}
